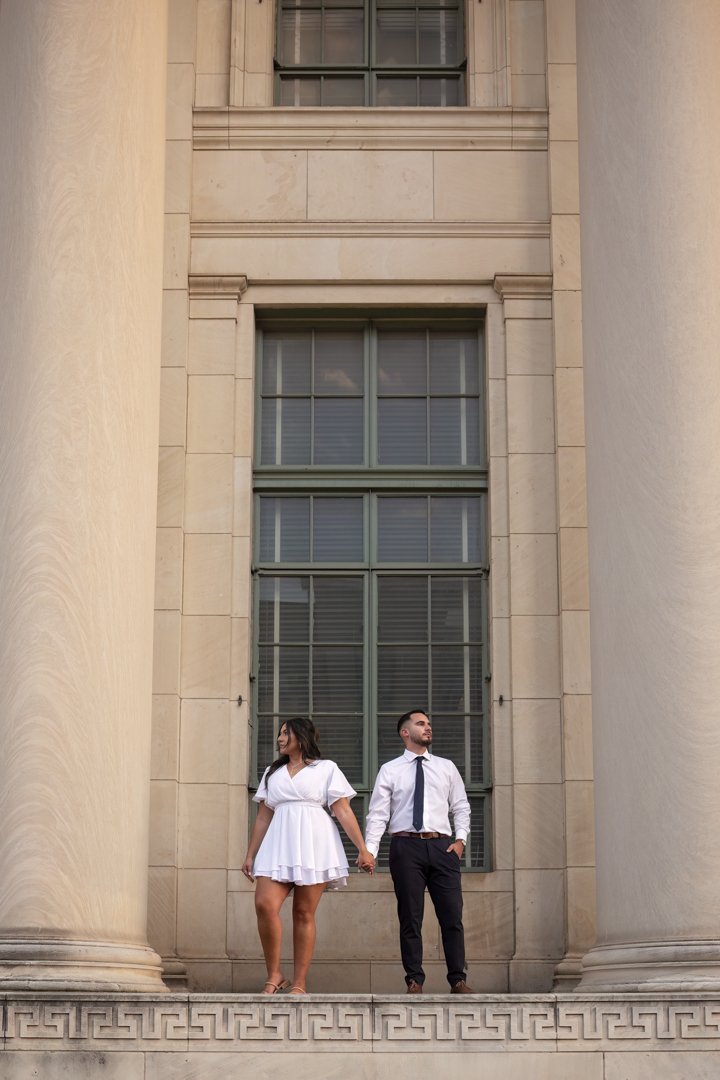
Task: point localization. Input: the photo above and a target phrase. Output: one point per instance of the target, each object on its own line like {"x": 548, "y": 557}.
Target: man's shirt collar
{"x": 408, "y": 755}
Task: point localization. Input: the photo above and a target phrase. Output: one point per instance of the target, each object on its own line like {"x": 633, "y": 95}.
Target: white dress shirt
{"x": 391, "y": 802}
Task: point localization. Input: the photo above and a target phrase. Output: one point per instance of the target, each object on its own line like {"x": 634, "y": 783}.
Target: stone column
{"x": 649, "y": 111}
{"x": 81, "y": 190}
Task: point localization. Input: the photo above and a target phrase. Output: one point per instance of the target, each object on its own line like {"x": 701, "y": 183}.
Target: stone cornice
{"x": 246, "y": 1022}
{"x": 370, "y": 128}
{"x": 523, "y": 286}
{"x": 220, "y": 287}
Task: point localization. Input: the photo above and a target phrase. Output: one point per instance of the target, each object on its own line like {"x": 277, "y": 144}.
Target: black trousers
{"x": 416, "y": 865}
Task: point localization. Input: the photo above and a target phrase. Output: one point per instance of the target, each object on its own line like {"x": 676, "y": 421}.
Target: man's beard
{"x": 419, "y": 741}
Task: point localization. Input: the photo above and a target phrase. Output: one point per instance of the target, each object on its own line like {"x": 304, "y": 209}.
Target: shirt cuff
{"x": 461, "y": 834}
{"x": 372, "y": 848}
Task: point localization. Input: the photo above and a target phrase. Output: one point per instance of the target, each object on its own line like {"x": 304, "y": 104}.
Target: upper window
{"x": 393, "y": 397}
{"x": 370, "y": 52}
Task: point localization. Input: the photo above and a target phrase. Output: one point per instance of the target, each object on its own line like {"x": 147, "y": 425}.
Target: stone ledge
{"x": 460, "y": 128}
{"x": 360, "y": 1023}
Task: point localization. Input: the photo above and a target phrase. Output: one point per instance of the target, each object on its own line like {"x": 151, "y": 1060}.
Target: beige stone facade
{"x": 472, "y": 209}
{"x": 126, "y": 364}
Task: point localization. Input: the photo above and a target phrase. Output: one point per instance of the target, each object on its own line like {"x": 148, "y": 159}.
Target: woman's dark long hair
{"x": 307, "y": 736}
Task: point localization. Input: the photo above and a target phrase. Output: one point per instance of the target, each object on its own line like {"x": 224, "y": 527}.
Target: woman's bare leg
{"x": 305, "y": 902}
{"x": 269, "y": 898}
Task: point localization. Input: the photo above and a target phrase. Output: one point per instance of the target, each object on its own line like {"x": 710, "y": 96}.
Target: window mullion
{"x": 428, "y": 587}
{"x": 311, "y": 642}
{"x": 276, "y": 647}
{"x": 428, "y": 399}
{"x": 278, "y": 405}
{"x": 370, "y": 689}
{"x": 312, "y": 397}
{"x": 466, "y": 681}
{"x": 371, "y": 392}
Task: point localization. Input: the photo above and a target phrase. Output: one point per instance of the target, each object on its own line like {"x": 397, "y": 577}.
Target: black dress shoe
{"x": 461, "y": 988}
{"x": 414, "y": 987}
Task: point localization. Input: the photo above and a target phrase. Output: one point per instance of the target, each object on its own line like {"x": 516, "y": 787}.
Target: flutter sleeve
{"x": 261, "y": 795}
{"x": 336, "y": 785}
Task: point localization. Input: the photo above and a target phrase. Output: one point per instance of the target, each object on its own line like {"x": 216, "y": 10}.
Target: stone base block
{"x": 97, "y": 967}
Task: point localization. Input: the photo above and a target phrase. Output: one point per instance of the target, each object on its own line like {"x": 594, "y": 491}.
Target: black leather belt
{"x": 423, "y": 835}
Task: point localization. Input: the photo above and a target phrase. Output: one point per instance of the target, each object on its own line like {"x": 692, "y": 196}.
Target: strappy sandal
{"x": 296, "y": 990}
{"x": 276, "y": 988}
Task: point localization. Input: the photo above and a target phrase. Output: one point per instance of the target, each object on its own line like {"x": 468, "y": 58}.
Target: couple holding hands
{"x": 295, "y": 846}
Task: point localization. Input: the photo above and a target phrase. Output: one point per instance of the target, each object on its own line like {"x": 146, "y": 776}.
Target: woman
{"x": 295, "y": 846}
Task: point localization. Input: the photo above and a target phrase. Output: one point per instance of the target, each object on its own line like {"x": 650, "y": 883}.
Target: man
{"x": 414, "y": 795}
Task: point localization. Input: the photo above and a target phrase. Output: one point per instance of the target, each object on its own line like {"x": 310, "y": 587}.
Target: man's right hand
{"x": 365, "y": 861}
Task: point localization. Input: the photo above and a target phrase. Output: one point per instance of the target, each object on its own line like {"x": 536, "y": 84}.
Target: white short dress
{"x": 303, "y": 843}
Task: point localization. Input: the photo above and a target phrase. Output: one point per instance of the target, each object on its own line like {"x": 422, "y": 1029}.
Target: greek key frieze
{"x": 483, "y": 1023}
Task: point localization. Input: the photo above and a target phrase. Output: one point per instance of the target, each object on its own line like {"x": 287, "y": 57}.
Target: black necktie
{"x": 419, "y": 797}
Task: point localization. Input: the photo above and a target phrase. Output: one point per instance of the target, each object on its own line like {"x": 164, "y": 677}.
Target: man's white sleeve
{"x": 378, "y": 814}
{"x": 459, "y": 806}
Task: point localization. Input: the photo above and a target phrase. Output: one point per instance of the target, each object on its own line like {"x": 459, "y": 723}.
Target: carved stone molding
{"x": 220, "y": 287}
{"x": 362, "y": 128}
{"x": 523, "y": 286}
{"x": 345, "y": 1022}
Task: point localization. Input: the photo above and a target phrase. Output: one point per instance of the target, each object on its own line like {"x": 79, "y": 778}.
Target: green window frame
{"x": 370, "y": 52}
{"x": 332, "y": 563}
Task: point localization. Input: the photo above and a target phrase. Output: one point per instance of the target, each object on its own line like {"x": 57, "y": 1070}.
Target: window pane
{"x": 402, "y": 609}
{"x": 475, "y": 606}
{"x": 475, "y": 678}
{"x": 338, "y": 609}
{"x": 447, "y": 688}
{"x": 454, "y": 367}
{"x": 339, "y": 363}
{"x": 300, "y": 37}
{"x": 402, "y": 677}
{"x": 341, "y": 740}
{"x": 389, "y": 742}
{"x": 266, "y": 612}
{"x": 284, "y": 609}
{"x": 293, "y": 680}
{"x": 344, "y": 37}
{"x": 451, "y": 737}
{"x": 284, "y": 529}
{"x": 438, "y": 37}
{"x": 396, "y": 38}
{"x": 339, "y": 435}
{"x": 402, "y": 529}
{"x": 300, "y": 92}
{"x": 402, "y": 431}
{"x": 337, "y": 678}
{"x": 294, "y": 608}
{"x": 439, "y": 92}
{"x": 402, "y": 362}
{"x": 343, "y": 91}
{"x": 286, "y": 363}
{"x": 476, "y": 840}
{"x": 455, "y": 529}
{"x": 267, "y": 729}
{"x": 454, "y": 431}
{"x": 338, "y": 534}
{"x": 395, "y": 91}
{"x": 266, "y": 673}
{"x": 456, "y": 609}
{"x": 285, "y": 431}
{"x": 477, "y": 762}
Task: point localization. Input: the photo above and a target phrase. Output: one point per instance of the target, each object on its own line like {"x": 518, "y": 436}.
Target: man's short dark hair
{"x": 405, "y": 718}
